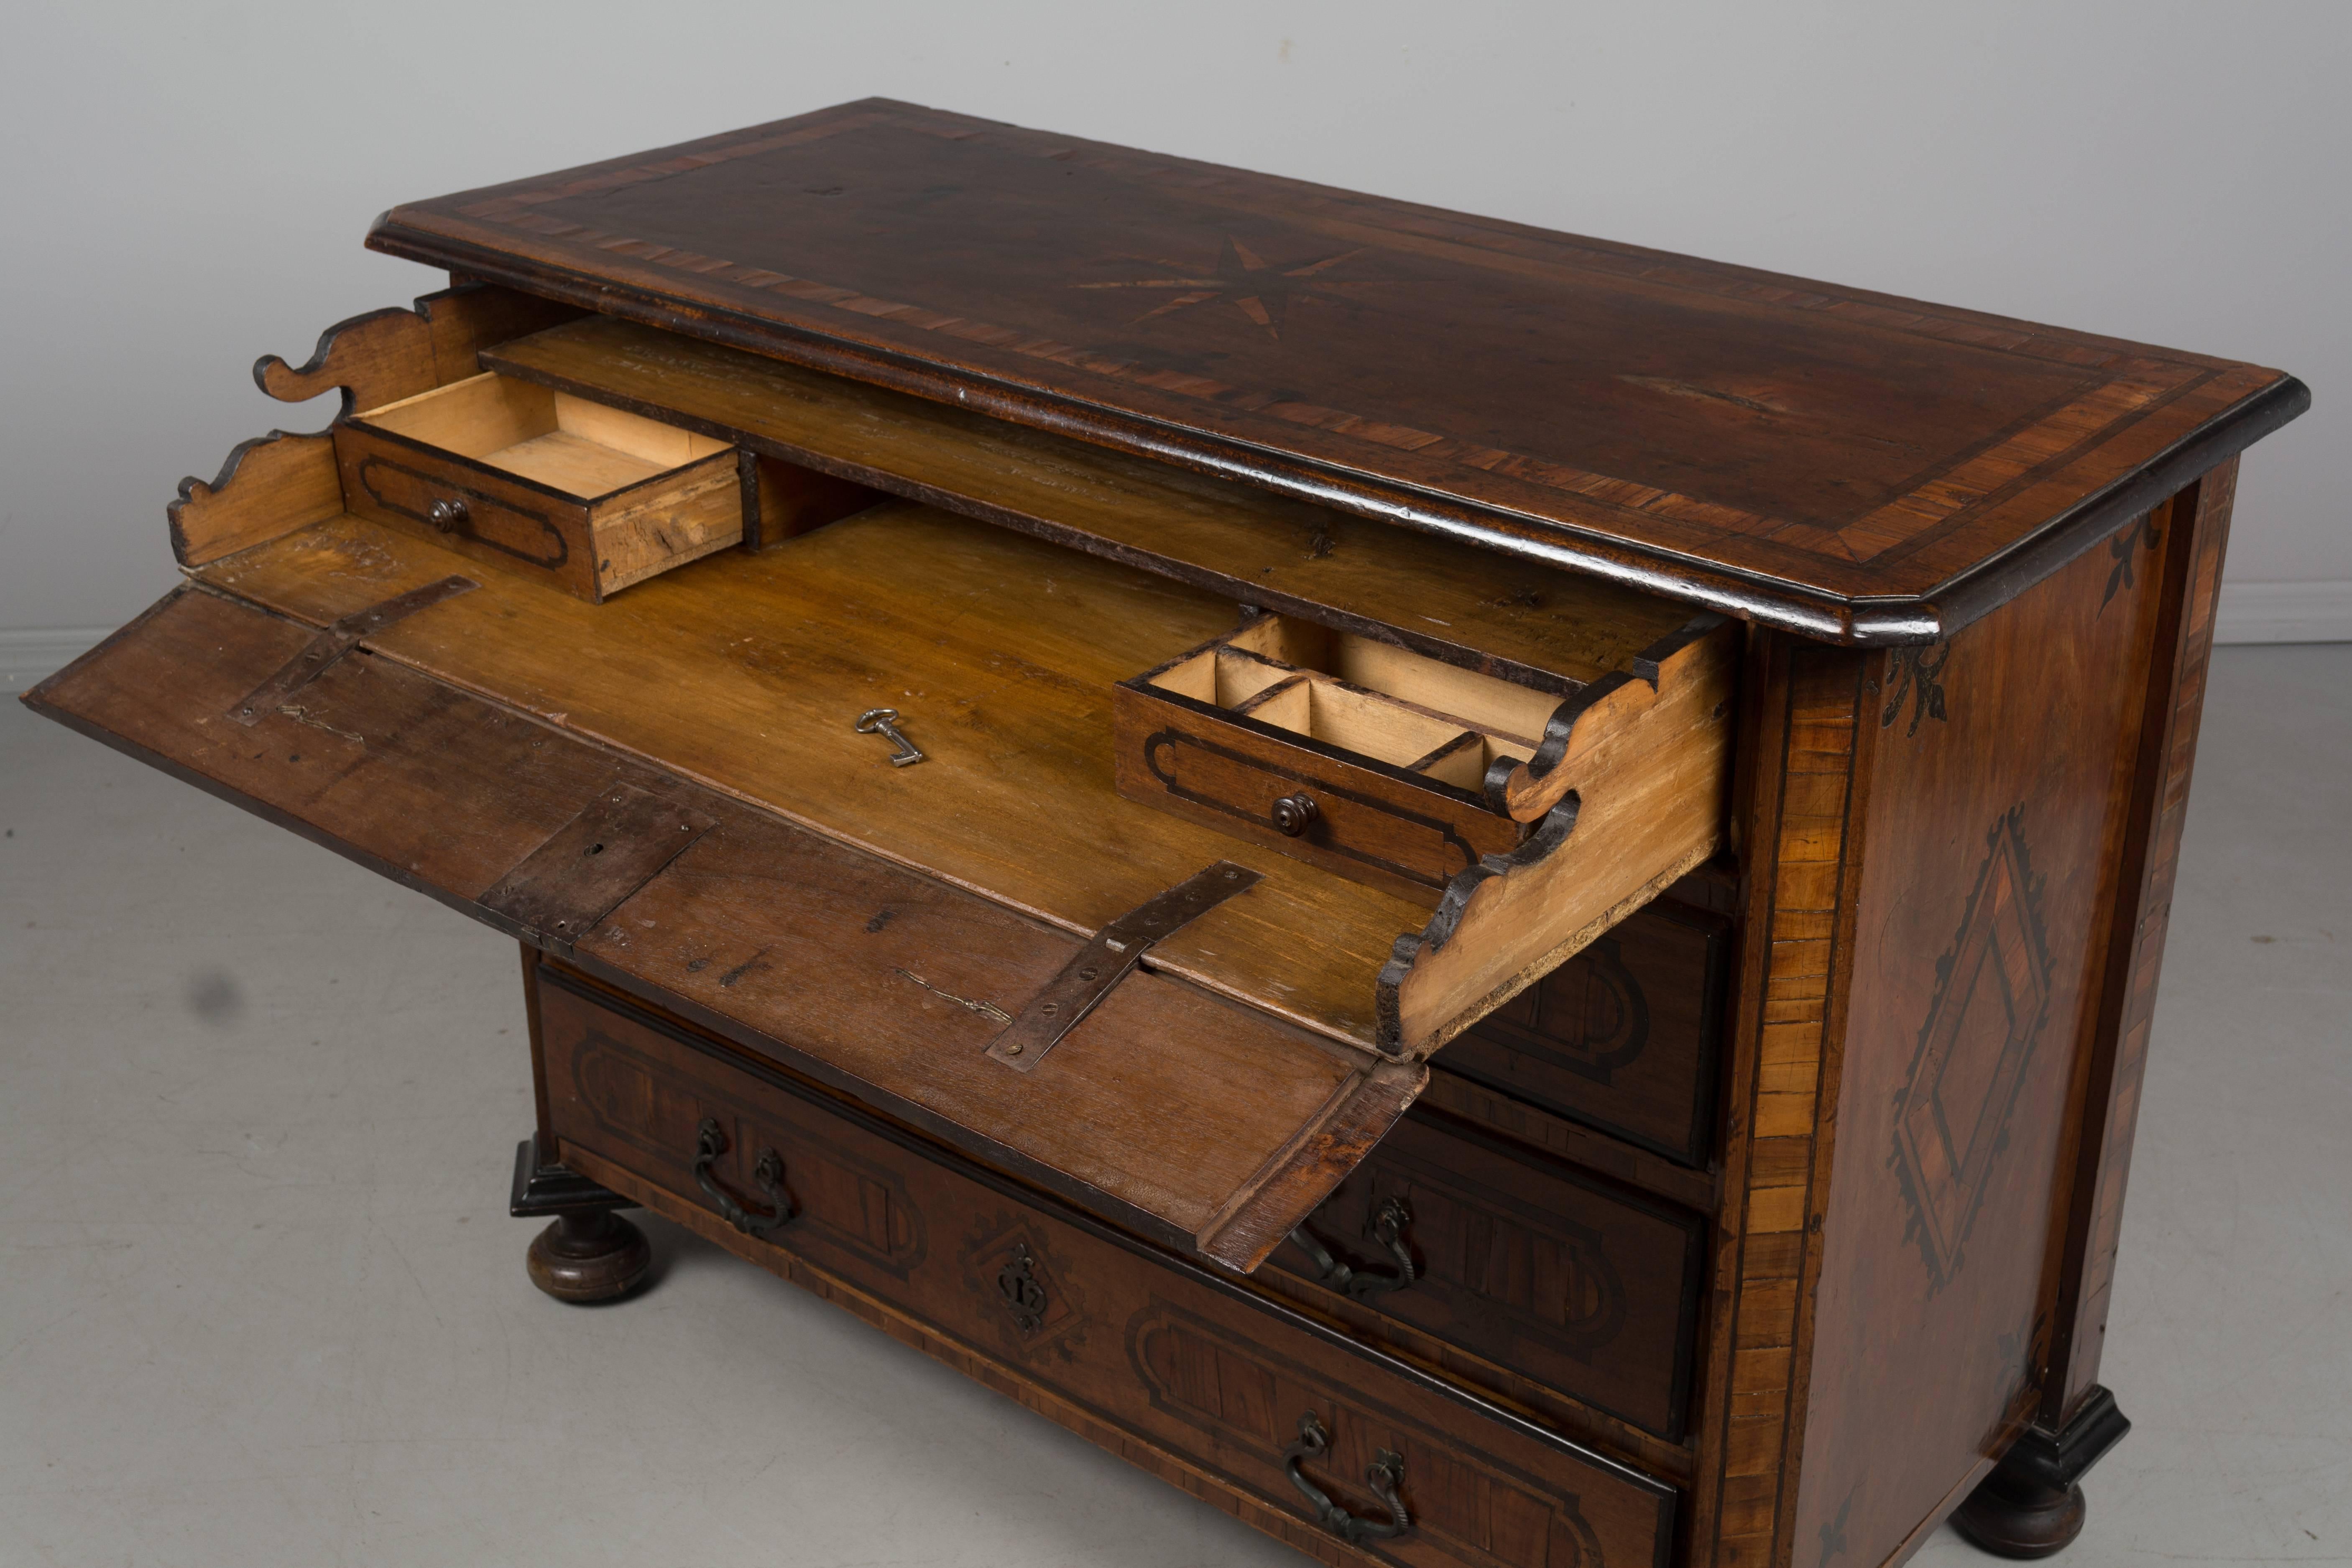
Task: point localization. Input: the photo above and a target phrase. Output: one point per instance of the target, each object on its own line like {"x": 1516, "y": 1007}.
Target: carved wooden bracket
{"x": 1586, "y": 721}
{"x": 281, "y": 482}
{"x": 284, "y": 481}
{"x": 385, "y": 355}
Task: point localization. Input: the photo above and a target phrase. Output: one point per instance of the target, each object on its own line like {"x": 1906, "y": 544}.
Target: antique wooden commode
{"x": 1492, "y": 898}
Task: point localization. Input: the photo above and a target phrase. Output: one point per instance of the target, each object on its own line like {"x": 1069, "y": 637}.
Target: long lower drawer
{"x": 1521, "y": 1259}
{"x": 1265, "y": 1403}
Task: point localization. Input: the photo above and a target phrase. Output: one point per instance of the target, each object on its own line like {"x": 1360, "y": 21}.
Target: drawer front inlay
{"x": 529, "y": 536}
{"x": 1184, "y": 1363}
{"x": 619, "y": 1101}
{"x": 1528, "y": 1264}
{"x": 1622, "y": 1038}
{"x": 1350, "y": 824}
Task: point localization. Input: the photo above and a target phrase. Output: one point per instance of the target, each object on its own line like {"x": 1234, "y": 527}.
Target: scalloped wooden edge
{"x": 270, "y": 486}
{"x": 1527, "y": 791}
{"x": 382, "y": 356}
{"x": 1642, "y": 801}
{"x": 274, "y": 484}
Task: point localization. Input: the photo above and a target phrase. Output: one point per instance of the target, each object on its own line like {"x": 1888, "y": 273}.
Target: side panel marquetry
{"x": 1998, "y": 813}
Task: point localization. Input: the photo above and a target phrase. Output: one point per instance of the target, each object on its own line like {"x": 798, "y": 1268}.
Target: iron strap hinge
{"x": 1103, "y": 962}
{"x": 334, "y": 641}
{"x": 591, "y": 865}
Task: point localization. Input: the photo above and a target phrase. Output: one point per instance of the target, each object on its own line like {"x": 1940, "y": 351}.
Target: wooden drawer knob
{"x": 1294, "y": 814}
{"x": 448, "y": 516}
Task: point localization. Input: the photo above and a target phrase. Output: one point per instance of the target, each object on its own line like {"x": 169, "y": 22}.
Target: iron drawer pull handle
{"x": 1363, "y": 1284}
{"x": 768, "y": 1175}
{"x": 448, "y": 516}
{"x": 1386, "y": 1474}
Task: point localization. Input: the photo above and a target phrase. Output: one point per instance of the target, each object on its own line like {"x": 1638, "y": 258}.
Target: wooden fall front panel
{"x": 1749, "y": 1227}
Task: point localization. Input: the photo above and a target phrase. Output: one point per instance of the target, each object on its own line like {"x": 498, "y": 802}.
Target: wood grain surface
{"x": 1180, "y": 1114}
{"x": 2195, "y": 528}
{"x": 1807, "y": 745}
{"x": 1987, "y": 904}
{"x": 746, "y": 673}
{"x": 1473, "y": 608}
{"x": 1843, "y": 463}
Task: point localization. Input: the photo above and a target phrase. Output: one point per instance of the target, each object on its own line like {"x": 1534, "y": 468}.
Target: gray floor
{"x": 261, "y": 1303}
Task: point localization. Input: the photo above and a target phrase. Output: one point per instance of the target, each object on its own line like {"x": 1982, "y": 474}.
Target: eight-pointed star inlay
{"x": 1257, "y": 289}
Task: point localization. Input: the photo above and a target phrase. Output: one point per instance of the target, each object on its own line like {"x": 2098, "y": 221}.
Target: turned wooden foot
{"x": 2011, "y": 1517}
{"x": 2032, "y": 1506}
{"x": 590, "y": 1254}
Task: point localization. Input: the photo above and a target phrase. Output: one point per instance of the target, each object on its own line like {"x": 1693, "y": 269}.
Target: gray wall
{"x": 186, "y": 186}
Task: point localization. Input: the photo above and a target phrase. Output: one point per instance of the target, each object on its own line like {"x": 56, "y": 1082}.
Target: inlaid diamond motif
{"x": 1992, "y": 996}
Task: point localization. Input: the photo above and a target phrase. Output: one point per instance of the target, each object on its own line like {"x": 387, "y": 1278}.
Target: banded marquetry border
{"x": 1503, "y": 240}
{"x": 2200, "y": 526}
{"x": 1785, "y": 1102}
{"x": 2140, "y": 384}
{"x": 517, "y": 212}
{"x": 2123, "y": 383}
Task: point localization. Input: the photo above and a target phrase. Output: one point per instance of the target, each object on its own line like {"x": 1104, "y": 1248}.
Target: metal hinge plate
{"x": 334, "y": 641}
{"x": 1103, "y": 962}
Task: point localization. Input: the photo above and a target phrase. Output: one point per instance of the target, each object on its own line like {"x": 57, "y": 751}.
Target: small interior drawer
{"x": 519, "y": 476}
{"x": 1338, "y": 749}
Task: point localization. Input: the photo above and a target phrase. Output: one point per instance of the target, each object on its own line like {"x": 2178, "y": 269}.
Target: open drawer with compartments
{"x": 1217, "y": 1072}
{"x": 1420, "y": 929}
{"x": 1206, "y": 957}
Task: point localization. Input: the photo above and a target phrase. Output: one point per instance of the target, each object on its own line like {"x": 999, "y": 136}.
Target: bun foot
{"x": 2031, "y": 1506}
{"x": 2010, "y": 1516}
{"x": 589, "y": 1255}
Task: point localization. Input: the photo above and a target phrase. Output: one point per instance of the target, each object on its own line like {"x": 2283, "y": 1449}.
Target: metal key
{"x": 884, "y": 721}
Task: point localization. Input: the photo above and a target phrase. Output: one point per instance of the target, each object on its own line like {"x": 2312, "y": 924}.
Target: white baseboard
{"x": 31, "y": 654}
{"x": 2283, "y": 612}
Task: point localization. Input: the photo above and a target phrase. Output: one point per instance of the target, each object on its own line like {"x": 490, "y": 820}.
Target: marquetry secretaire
{"x": 1492, "y": 898}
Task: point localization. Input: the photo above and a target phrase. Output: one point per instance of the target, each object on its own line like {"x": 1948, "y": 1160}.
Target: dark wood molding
{"x": 2097, "y": 428}
{"x": 544, "y": 1187}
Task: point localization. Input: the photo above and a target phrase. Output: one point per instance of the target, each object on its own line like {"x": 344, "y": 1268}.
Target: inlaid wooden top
{"x": 1845, "y": 464}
